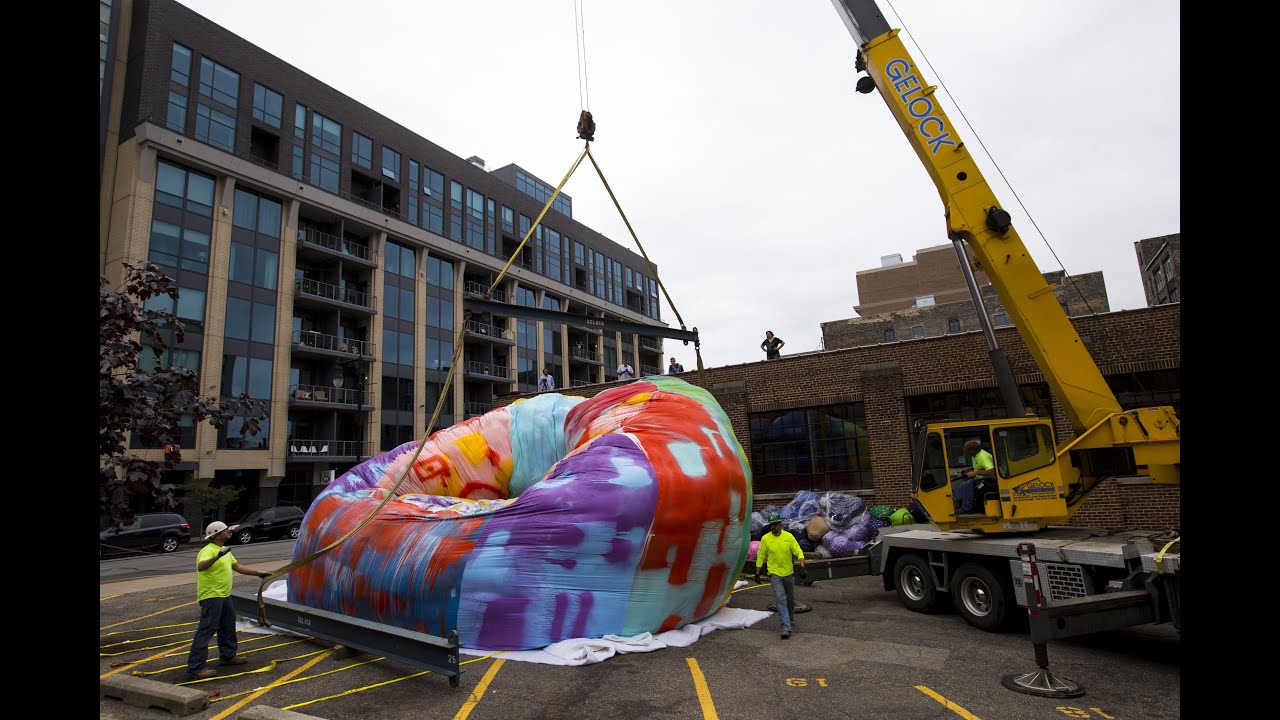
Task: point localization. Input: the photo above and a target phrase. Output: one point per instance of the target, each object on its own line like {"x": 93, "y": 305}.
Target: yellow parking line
{"x": 474, "y": 698}
{"x": 948, "y": 704}
{"x": 704, "y": 693}
{"x": 158, "y": 612}
{"x": 281, "y": 681}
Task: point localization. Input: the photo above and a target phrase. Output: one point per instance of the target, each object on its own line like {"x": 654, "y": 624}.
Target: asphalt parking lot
{"x": 857, "y": 654}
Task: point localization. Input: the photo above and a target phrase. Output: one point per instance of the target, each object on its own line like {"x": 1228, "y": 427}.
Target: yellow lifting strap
{"x": 1160, "y": 555}
{"x": 586, "y": 131}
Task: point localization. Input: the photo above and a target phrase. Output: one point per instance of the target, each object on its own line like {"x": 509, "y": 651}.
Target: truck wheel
{"x": 914, "y": 583}
{"x": 982, "y": 598}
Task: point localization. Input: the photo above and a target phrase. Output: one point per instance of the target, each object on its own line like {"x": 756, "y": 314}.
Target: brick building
{"x": 1160, "y": 262}
{"x": 783, "y": 411}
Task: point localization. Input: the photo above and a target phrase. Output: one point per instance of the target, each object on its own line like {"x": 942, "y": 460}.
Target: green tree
{"x": 148, "y": 402}
{"x": 211, "y": 499}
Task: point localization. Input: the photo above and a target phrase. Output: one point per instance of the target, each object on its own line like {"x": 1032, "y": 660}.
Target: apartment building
{"x": 325, "y": 255}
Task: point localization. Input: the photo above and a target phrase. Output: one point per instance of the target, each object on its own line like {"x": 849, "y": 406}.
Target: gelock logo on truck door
{"x": 919, "y": 106}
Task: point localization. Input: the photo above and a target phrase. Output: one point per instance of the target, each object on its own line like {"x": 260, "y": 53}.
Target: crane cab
{"x": 1026, "y": 493}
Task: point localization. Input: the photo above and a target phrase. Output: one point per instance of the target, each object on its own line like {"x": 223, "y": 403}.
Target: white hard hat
{"x": 214, "y": 528}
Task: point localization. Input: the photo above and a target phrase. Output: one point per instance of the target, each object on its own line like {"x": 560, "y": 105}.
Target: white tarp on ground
{"x": 581, "y": 651}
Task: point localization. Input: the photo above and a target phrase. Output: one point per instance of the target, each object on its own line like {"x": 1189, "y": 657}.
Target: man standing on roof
{"x": 779, "y": 546}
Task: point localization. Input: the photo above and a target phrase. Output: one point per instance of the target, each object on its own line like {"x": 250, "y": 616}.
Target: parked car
{"x": 276, "y": 522}
{"x": 163, "y": 531}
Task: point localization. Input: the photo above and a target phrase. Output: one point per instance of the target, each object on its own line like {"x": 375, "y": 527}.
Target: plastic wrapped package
{"x": 803, "y": 506}
{"x": 842, "y": 545}
{"x": 822, "y": 552}
{"x": 881, "y": 512}
{"x": 816, "y": 528}
{"x": 752, "y": 549}
{"x": 840, "y": 509}
{"x": 805, "y": 543}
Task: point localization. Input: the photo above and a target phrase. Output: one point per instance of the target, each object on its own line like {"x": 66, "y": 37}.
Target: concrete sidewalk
{"x": 123, "y": 587}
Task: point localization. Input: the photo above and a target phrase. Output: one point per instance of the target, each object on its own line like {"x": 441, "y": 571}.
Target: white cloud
{"x": 756, "y": 178}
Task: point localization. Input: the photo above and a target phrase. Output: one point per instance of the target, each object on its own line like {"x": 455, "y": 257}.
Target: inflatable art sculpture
{"x": 553, "y": 518}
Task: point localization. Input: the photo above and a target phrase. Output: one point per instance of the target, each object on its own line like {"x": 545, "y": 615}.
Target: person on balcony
{"x": 547, "y": 381}
{"x": 674, "y": 367}
{"x": 625, "y": 371}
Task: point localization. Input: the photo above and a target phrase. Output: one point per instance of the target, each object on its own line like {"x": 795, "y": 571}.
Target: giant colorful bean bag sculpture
{"x": 553, "y": 518}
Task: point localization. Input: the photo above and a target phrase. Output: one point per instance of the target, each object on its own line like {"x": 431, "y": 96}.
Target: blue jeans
{"x": 784, "y": 594}
{"x": 964, "y": 496}
{"x": 217, "y": 615}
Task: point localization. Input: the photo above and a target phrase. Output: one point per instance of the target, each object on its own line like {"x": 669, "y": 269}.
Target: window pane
{"x": 390, "y": 349}
{"x": 406, "y": 304}
{"x": 260, "y": 378}
{"x": 241, "y": 269}
{"x": 164, "y": 238}
{"x": 268, "y": 267}
{"x": 200, "y": 194}
{"x": 235, "y": 373}
{"x": 245, "y": 213}
{"x": 406, "y": 349}
{"x": 170, "y": 181}
{"x": 264, "y": 323}
{"x": 237, "y": 319}
{"x": 269, "y": 217}
{"x": 191, "y": 307}
{"x": 195, "y": 250}
{"x": 176, "y": 118}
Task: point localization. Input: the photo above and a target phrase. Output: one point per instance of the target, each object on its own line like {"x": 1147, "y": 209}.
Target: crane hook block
{"x": 586, "y": 126}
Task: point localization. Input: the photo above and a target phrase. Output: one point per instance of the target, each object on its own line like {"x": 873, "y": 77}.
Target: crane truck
{"x": 1092, "y": 580}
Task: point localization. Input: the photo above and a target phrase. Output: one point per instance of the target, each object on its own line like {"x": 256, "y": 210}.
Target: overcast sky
{"x": 755, "y": 177}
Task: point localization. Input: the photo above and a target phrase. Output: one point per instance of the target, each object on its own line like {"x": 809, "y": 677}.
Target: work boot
{"x": 786, "y": 634}
{"x": 202, "y": 674}
{"x": 237, "y": 660}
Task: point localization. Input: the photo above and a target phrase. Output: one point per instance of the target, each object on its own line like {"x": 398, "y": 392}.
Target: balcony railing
{"x": 479, "y": 289}
{"x": 583, "y": 353}
{"x": 650, "y": 344}
{"x": 321, "y": 341}
{"x": 393, "y": 212}
{"x": 478, "y": 408}
{"x": 315, "y": 288}
{"x": 330, "y": 394}
{"x": 580, "y": 383}
{"x": 490, "y": 369}
{"x": 649, "y": 370}
{"x": 483, "y": 328}
{"x": 329, "y": 448}
{"x": 311, "y": 236}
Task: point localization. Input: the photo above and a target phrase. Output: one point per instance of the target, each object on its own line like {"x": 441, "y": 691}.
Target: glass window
{"x": 268, "y": 105}
{"x": 300, "y": 121}
{"x": 259, "y": 379}
{"x": 241, "y": 269}
{"x": 266, "y": 269}
{"x": 390, "y": 163}
{"x": 219, "y": 82}
{"x": 215, "y": 128}
{"x": 406, "y": 349}
{"x": 245, "y": 212}
{"x": 298, "y": 159}
{"x": 171, "y": 182}
{"x": 1001, "y": 320}
{"x": 953, "y": 325}
{"x": 1023, "y": 449}
{"x": 195, "y": 251}
{"x": 917, "y": 331}
{"x": 200, "y": 194}
{"x": 361, "y": 150}
{"x": 176, "y": 118}
{"x": 440, "y": 273}
{"x": 406, "y": 304}
{"x": 433, "y": 218}
{"x": 269, "y": 217}
{"x": 326, "y": 134}
{"x": 924, "y": 301}
{"x": 238, "y": 314}
{"x": 390, "y": 346}
{"x": 180, "y": 65}
{"x": 263, "y": 323}
{"x": 819, "y": 449}
{"x": 413, "y": 178}
{"x": 324, "y": 173}
{"x": 889, "y": 335}
{"x": 191, "y": 310}
{"x": 390, "y": 299}
{"x": 432, "y": 183}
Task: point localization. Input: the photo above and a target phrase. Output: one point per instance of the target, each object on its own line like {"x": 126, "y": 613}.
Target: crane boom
{"x": 1038, "y": 484}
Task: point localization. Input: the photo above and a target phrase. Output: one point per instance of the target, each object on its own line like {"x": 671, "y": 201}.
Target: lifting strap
{"x": 586, "y": 131}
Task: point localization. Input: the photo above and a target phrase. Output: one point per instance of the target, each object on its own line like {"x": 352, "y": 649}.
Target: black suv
{"x": 282, "y": 521}
{"x": 163, "y": 531}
